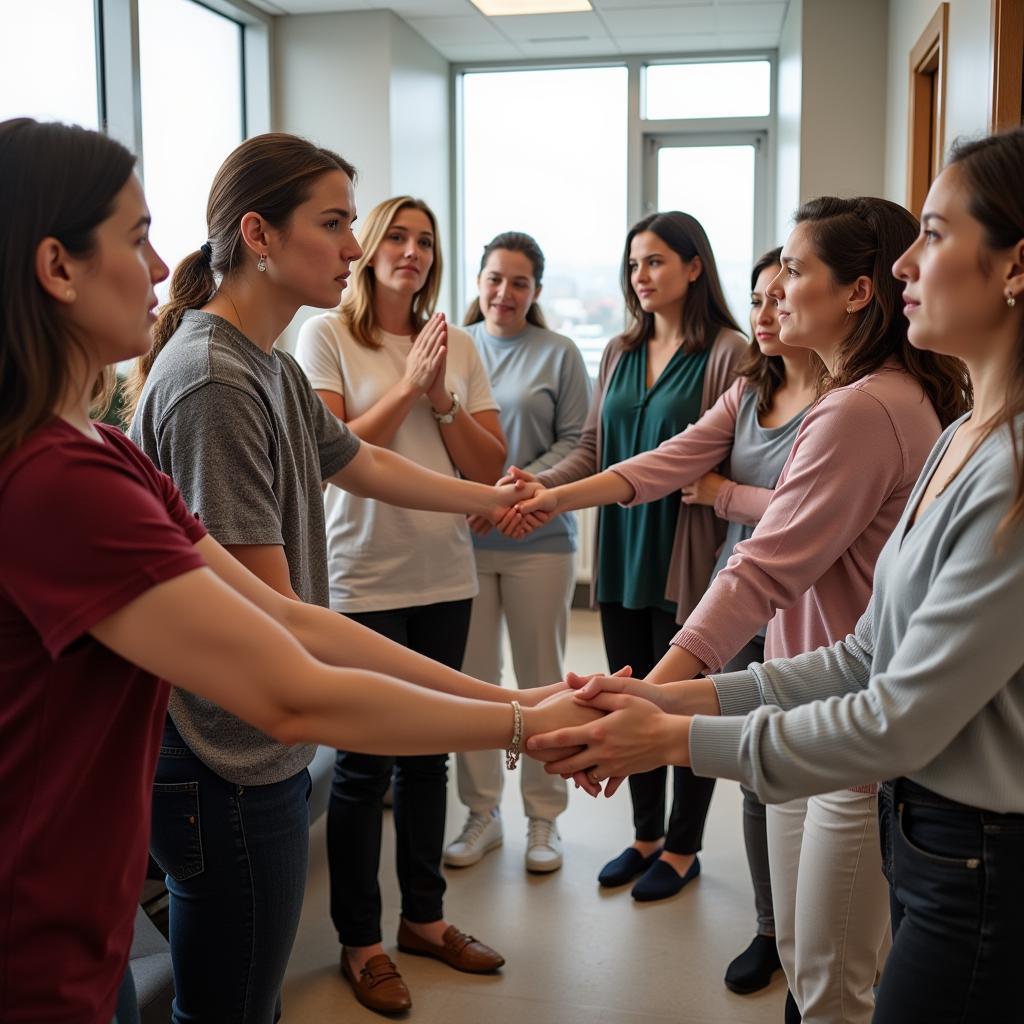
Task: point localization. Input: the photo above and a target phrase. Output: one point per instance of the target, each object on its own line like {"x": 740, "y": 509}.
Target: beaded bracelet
{"x": 514, "y": 748}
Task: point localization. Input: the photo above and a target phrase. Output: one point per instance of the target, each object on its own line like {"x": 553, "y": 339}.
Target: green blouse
{"x": 635, "y": 544}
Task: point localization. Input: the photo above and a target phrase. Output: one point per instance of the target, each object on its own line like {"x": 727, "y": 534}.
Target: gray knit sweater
{"x": 931, "y": 683}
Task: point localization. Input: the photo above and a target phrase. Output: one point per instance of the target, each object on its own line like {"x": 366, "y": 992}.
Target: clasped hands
{"x": 603, "y": 728}
{"x": 521, "y": 505}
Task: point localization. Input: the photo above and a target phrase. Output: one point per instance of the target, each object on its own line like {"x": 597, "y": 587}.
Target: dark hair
{"x": 765, "y": 373}
{"x": 56, "y": 181}
{"x": 512, "y": 241}
{"x": 992, "y": 169}
{"x": 705, "y": 311}
{"x": 270, "y": 175}
{"x": 863, "y": 237}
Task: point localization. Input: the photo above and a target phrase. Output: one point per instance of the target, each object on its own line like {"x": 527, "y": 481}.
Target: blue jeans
{"x": 957, "y": 901}
{"x": 235, "y": 859}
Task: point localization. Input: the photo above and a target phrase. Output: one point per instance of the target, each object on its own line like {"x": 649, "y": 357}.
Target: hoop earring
{"x": 262, "y": 265}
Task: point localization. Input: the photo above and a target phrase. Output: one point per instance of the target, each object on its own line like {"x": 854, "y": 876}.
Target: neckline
{"x": 915, "y": 518}
{"x": 228, "y": 328}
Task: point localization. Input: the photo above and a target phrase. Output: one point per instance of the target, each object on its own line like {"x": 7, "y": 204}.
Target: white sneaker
{"x": 543, "y": 846}
{"x": 481, "y": 833}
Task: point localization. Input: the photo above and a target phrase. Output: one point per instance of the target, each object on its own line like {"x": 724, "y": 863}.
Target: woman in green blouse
{"x": 653, "y": 562}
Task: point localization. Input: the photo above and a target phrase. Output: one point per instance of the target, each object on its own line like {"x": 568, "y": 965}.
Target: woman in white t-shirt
{"x": 401, "y": 378}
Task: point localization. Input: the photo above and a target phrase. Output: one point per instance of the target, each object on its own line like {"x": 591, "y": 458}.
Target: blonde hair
{"x": 356, "y": 309}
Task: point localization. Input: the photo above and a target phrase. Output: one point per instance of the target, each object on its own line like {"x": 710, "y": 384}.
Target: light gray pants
{"x": 831, "y": 903}
{"x": 532, "y": 592}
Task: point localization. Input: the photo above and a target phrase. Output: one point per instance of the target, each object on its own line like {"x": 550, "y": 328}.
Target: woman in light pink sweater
{"x": 810, "y": 562}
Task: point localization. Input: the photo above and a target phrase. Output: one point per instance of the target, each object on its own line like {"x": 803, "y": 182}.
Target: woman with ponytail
{"x": 234, "y": 422}
{"x": 927, "y": 691}
{"x": 540, "y": 381}
{"x": 810, "y": 562}
{"x": 111, "y": 585}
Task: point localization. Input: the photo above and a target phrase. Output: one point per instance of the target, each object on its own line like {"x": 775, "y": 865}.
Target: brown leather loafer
{"x": 379, "y": 985}
{"x": 457, "y": 950}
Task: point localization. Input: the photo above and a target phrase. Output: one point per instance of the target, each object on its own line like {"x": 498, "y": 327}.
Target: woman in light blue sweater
{"x": 928, "y": 692}
{"x": 540, "y": 382}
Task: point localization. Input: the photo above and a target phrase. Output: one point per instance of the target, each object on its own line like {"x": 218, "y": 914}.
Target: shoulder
{"x": 728, "y": 347}
{"x": 329, "y": 328}
{"x": 898, "y": 396}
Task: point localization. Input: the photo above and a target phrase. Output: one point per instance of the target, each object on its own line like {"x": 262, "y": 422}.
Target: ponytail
{"x": 512, "y": 241}
{"x": 192, "y": 287}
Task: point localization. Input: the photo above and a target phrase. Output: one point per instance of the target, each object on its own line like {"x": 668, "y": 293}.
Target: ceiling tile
{"x": 321, "y": 6}
{"x": 571, "y": 48}
{"x": 426, "y": 8}
{"x": 751, "y": 17}
{"x": 480, "y": 51}
{"x": 629, "y": 5}
{"x": 460, "y": 31}
{"x": 634, "y": 46}
{"x": 652, "y": 21}
{"x": 748, "y": 40}
{"x": 544, "y": 26}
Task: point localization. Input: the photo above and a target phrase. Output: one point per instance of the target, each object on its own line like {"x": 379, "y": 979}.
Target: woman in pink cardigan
{"x": 811, "y": 560}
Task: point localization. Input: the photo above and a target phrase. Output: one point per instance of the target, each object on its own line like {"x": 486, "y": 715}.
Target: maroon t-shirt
{"x": 85, "y": 528}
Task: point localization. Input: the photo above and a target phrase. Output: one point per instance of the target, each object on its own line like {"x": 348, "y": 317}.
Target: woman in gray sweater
{"x": 928, "y": 692}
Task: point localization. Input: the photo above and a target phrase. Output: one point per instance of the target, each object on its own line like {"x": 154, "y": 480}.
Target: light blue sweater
{"x": 540, "y": 381}
{"x": 931, "y": 683}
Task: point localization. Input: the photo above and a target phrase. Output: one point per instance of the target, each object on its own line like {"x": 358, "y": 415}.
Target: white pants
{"x": 831, "y": 903}
{"x": 533, "y": 592}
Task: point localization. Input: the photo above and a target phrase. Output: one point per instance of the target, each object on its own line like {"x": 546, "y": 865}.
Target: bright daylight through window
{"x": 48, "y": 62}
{"x": 545, "y": 153}
{"x": 191, "y": 116}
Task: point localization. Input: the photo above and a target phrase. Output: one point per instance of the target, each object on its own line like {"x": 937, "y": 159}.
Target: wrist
{"x": 675, "y": 739}
{"x": 446, "y": 408}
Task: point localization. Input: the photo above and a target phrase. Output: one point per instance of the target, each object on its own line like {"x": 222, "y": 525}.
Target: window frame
{"x": 639, "y": 133}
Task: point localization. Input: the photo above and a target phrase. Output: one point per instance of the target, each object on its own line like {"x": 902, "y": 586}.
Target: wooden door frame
{"x": 1007, "y": 67}
{"x": 927, "y": 107}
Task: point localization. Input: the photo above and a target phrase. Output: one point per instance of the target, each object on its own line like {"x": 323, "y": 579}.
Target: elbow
{"x": 285, "y": 725}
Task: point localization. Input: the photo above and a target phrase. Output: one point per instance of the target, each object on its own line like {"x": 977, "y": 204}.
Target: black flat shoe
{"x": 624, "y": 868}
{"x": 661, "y": 880}
{"x": 792, "y": 1010}
{"x": 752, "y": 970}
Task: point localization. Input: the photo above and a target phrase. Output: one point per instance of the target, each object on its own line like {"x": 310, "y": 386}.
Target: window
{"x": 546, "y": 153}
{"x": 722, "y": 89}
{"x": 192, "y": 116}
{"x": 716, "y": 184}
{"x": 48, "y": 62}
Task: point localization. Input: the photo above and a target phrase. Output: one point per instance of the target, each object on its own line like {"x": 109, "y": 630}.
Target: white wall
{"x": 365, "y": 84}
{"x": 968, "y": 82}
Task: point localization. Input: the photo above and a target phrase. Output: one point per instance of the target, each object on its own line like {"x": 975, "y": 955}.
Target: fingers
{"x": 570, "y": 736}
{"x": 583, "y": 781}
{"x": 612, "y": 785}
{"x": 576, "y": 681}
{"x": 608, "y": 702}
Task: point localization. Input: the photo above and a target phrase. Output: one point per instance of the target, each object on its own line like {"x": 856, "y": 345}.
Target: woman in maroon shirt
{"x": 108, "y": 586}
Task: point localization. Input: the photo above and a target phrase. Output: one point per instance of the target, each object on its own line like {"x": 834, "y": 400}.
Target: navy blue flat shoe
{"x": 624, "y": 868}
{"x": 661, "y": 880}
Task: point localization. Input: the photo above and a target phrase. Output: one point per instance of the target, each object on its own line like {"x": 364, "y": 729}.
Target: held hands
{"x": 705, "y": 490}
{"x": 426, "y": 361}
{"x": 535, "y": 507}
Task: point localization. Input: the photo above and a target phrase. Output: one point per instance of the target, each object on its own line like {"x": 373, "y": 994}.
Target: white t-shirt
{"x": 379, "y": 556}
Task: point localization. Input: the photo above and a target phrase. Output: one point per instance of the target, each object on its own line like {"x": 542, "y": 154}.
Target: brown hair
{"x": 270, "y": 175}
{"x": 863, "y": 237}
{"x": 512, "y": 241}
{"x": 357, "y": 305}
{"x": 991, "y": 169}
{"x": 765, "y": 373}
{"x": 705, "y": 311}
{"x": 55, "y": 181}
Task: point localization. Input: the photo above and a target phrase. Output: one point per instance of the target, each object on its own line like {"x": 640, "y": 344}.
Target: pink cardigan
{"x": 699, "y": 533}
{"x": 856, "y": 457}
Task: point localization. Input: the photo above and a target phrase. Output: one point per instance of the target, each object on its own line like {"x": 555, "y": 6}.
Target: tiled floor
{"x": 575, "y": 954}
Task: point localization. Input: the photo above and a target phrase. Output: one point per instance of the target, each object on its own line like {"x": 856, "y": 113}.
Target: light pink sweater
{"x": 856, "y": 457}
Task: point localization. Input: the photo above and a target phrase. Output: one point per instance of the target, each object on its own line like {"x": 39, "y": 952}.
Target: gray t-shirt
{"x": 758, "y": 455}
{"x": 248, "y": 443}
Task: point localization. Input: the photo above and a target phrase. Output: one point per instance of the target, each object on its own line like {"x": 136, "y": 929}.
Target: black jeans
{"x": 356, "y": 811}
{"x": 957, "y": 900}
{"x": 640, "y": 638}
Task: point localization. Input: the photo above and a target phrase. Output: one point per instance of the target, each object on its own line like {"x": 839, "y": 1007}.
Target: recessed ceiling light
{"x": 504, "y": 8}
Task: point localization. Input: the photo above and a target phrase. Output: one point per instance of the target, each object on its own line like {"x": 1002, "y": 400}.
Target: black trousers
{"x": 957, "y": 901}
{"x": 640, "y": 638}
{"x": 356, "y": 811}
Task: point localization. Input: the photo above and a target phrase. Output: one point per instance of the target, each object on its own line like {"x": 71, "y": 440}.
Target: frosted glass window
{"x": 192, "y": 116}
{"x": 545, "y": 153}
{"x": 716, "y": 185}
{"x": 48, "y": 62}
{"x": 721, "y": 89}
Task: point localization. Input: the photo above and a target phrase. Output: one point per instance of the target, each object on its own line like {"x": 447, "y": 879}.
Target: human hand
{"x": 426, "y": 358}
{"x": 504, "y": 497}
{"x": 538, "y": 694}
{"x": 437, "y": 391}
{"x": 685, "y": 697}
{"x": 479, "y": 525}
{"x": 705, "y": 490}
{"x": 636, "y": 736}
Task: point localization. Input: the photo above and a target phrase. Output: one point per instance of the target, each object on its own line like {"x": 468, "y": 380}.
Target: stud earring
{"x": 262, "y": 265}
{"x": 70, "y": 295}
{"x": 849, "y": 310}
{"x": 1011, "y": 300}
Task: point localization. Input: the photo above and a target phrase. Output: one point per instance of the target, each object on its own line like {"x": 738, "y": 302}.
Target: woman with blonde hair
{"x": 399, "y": 377}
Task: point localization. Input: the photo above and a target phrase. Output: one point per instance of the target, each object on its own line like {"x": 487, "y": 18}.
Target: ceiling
{"x": 457, "y": 30}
